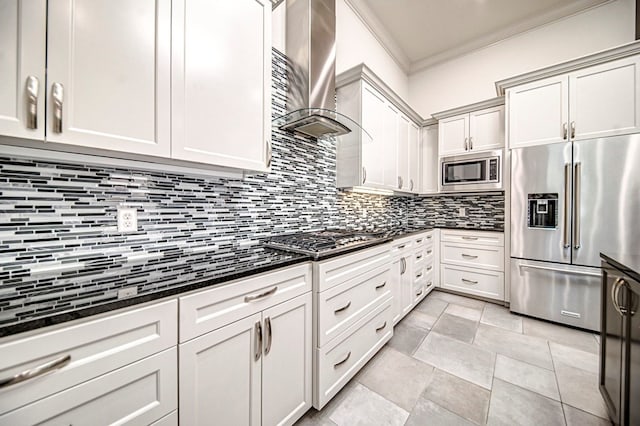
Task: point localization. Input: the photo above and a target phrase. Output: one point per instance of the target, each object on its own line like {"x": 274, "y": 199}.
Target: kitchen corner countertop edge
{"x": 628, "y": 264}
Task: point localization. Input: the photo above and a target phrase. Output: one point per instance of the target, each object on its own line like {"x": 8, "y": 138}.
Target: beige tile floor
{"x": 460, "y": 361}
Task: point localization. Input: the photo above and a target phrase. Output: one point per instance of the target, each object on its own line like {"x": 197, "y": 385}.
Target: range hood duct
{"x": 311, "y": 52}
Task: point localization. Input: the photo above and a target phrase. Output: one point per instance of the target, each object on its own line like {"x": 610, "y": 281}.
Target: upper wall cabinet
{"x": 108, "y": 75}
{"x": 221, "y": 82}
{"x": 22, "y": 67}
{"x": 385, "y": 155}
{"x": 591, "y": 97}
{"x": 429, "y": 160}
{"x": 479, "y": 130}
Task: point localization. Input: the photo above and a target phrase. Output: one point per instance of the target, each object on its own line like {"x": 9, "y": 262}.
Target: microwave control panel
{"x": 493, "y": 170}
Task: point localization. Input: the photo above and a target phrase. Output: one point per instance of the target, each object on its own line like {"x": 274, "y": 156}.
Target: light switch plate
{"x": 462, "y": 212}
{"x": 127, "y": 219}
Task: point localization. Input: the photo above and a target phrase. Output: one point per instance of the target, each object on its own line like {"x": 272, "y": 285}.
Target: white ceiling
{"x": 420, "y": 33}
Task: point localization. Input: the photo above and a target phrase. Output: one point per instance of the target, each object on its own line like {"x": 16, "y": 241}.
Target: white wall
{"x": 470, "y": 78}
{"x": 354, "y": 45}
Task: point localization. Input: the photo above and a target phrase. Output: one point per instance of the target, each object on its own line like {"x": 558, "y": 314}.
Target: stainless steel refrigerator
{"x": 569, "y": 202}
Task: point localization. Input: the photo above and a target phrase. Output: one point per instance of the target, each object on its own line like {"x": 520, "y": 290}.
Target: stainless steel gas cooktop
{"x": 321, "y": 244}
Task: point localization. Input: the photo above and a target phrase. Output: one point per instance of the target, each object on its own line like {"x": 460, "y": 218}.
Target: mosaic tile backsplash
{"x": 60, "y": 249}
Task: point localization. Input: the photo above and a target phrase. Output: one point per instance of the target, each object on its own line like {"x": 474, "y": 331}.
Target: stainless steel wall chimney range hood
{"x": 311, "y": 51}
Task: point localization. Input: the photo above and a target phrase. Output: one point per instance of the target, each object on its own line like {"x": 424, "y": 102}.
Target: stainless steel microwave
{"x": 471, "y": 172}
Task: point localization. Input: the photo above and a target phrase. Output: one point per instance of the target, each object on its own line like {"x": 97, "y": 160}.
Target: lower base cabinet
{"x": 255, "y": 371}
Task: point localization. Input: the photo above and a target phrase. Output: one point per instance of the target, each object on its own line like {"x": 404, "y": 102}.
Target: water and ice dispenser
{"x": 543, "y": 211}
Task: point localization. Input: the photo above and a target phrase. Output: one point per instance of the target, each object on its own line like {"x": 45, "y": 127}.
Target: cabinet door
{"x": 221, "y": 82}
{"x": 374, "y": 110}
{"x": 108, "y": 67}
{"x": 454, "y": 135}
{"x": 604, "y": 100}
{"x": 286, "y": 361}
{"x": 538, "y": 112}
{"x": 633, "y": 341}
{"x": 406, "y": 283}
{"x": 402, "y": 151}
{"x": 414, "y": 158}
{"x": 429, "y": 162}
{"x": 220, "y": 375}
{"x": 23, "y": 27}
{"x": 395, "y": 279}
{"x": 393, "y": 131}
{"x": 486, "y": 129}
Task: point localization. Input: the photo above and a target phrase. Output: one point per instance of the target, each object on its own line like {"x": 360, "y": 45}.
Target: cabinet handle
{"x": 267, "y": 327}
{"x": 419, "y": 241}
{"x": 469, "y": 256}
{"x": 401, "y": 247}
{"x": 269, "y": 153}
{"x": 615, "y": 293}
{"x": 464, "y": 280}
{"x": 564, "y": 131}
{"x": 419, "y": 275}
{"x": 418, "y": 294}
{"x": 418, "y": 257}
{"x": 345, "y": 359}
{"x": 429, "y": 268}
{"x": 378, "y": 287}
{"x": 33, "y": 87}
{"x": 57, "y": 92}
{"x": 410, "y": 184}
{"x": 470, "y": 143}
{"x": 403, "y": 262}
{"x": 345, "y": 307}
{"x": 382, "y": 327}
{"x": 573, "y": 129}
{"x": 429, "y": 251}
{"x": 576, "y": 206}
{"x": 470, "y": 238}
{"x": 364, "y": 175}
{"x": 429, "y": 237}
{"x": 399, "y": 182}
{"x": 567, "y": 205}
{"x": 257, "y": 340}
{"x": 466, "y": 144}
{"x": 32, "y": 373}
{"x": 253, "y": 297}
{"x": 429, "y": 284}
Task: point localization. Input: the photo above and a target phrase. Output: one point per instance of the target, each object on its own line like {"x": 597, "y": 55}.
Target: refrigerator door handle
{"x": 576, "y": 207}
{"x": 567, "y": 205}
{"x": 564, "y": 271}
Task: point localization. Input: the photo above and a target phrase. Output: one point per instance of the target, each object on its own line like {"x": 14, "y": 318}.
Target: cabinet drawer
{"x": 170, "y": 419}
{"x": 485, "y": 257}
{"x": 423, "y": 239}
{"x": 95, "y": 347}
{"x": 340, "y": 360}
{"x": 208, "y": 310}
{"x": 344, "y": 304}
{"x": 419, "y": 258}
{"x": 137, "y": 394}
{"x": 330, "y": 273}
{"x": 473, "y": 281}
{"x": 473, "y": 237}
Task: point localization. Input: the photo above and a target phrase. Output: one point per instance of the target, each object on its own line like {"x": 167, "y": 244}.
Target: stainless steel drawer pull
{"x": 401, "y": 247}
{"x": 378, "y": 287}
{"x": 40, "y": 370}
{"x": 564, "y": 131}
{"x": 429, "y": 284}
{"x": 429, "y": 251}
{"x": 419, "y": 275}
{"x": 364, "y": 175}
{"x": 573, "y": 129}
{"x": 470, "y": 238}
{"x": 267, "y": 327}
{"x": 469, "y": 256}
{"x": 418, "y": 294}
{"x": 429, "y": 237}
{"x": 403, "y": 263}
{"x": 33, "y": 87}
{"x": 419, "y": 241}
{"x": 57, "y": 92}
{"x": 345, "y": 359}
{"x": 464, "y": 280}
{"x": 253, "y": 297}
{"x": 345, "y": 307}
{"x": 419, "y": 257}
{"x": 470, "y": 142}
{"x": 429, "y": 268}
{"x": 257, "y": 340}
{"x": 382, "y": 327}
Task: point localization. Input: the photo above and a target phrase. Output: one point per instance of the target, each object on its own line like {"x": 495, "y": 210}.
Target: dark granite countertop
{"x": 628, "y": 264}
{"x": 239, "y": 264}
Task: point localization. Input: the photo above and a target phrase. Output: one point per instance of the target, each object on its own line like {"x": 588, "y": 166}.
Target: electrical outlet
{"x": 462, "y": 212}
{"x": 127, "y": 219}
{"x": 127, "y": 292}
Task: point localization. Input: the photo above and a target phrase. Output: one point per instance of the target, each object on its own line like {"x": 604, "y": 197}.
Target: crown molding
{"x": 380, "y": 33}
{"x": 600, "y": 57}
{"x": 469, "y": 108}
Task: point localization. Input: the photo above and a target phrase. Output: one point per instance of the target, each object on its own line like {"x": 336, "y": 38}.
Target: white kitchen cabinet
{"x": 480, "y": 130}
{"x": 22, "y": 67}
{"x": 429, "y": 161}
{"x": 393, "y": 127}
{"x": 414, "y": 158}
{"x": 221, "y": 83}
{"x": 395, "y": 281}
{"x": 406, "y": 281}
{"x": 538, "y": 112}
{"x": 402, "y": 153}
{"x": 210, "y": 364}
{"x": 255, "y": 333}
{"x": 108, "y": 75}
{"x": 592, "y": 102}
{"x": 374, "y": 115}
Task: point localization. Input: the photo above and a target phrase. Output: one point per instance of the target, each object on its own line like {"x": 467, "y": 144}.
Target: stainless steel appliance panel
{"x": 538, "y": 172}
{"x": 556, "y": 292}
{"x": 607, "y": 195}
